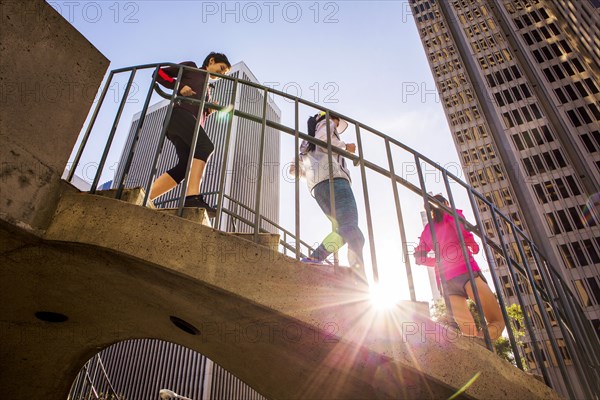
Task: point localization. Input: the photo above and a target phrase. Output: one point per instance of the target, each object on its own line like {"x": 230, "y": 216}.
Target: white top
{"x": 314, "y": 165}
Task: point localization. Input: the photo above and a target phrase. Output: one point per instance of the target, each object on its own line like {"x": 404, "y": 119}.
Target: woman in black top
{"x": 181, "y": 127}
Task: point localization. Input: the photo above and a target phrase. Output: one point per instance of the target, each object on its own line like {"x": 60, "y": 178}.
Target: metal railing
{"x": 93, "y": 382}
{"x": 572, "y": 369}
{"x": 287, "y": 236}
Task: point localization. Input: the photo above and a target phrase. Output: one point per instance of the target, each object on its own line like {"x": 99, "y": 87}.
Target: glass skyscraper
{"x": 241, "y": 170}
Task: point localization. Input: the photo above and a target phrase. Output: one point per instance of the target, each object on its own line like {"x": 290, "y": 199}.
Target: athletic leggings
{"x": 181, "y": 132}
{"x": 346, "y": 223}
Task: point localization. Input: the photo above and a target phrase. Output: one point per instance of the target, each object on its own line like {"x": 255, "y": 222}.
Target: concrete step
{"x": 194, "y": 214}
{"x": 133, "y": 196}
{"x": 136, "y": 196}
{"x": 271, "y": 240}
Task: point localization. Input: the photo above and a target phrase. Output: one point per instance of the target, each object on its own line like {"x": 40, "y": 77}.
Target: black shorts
{"x": 181, "y": 126}
{"x": 456, "y": 285}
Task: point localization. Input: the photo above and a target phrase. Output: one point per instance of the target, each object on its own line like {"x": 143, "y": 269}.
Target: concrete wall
{"x": 49, "y": 75}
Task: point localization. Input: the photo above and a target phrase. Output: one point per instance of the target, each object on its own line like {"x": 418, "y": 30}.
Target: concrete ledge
{"x": 197, "y": 215}
{"x": 133, "y": 196}
{"x": 270, "y": 240}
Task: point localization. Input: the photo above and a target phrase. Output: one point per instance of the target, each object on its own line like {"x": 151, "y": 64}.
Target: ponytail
{"x": 437, "y": 213}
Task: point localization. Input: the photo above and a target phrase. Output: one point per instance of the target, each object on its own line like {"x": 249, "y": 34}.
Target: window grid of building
{"x": 242, "y": 162}
{"x": 546, "y": 169}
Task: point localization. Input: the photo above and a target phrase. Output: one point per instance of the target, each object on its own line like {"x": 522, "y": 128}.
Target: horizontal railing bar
{"x": 520, "y": 271}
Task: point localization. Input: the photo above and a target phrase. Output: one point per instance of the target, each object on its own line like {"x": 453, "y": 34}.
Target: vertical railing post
{"x": 138, "y": 130}
{"x": 297, "y": 178}
{"x": 489, "y": 256}
{"x": 407, "y": 264}
{"x": 551, "y": 294}
{"x": 261, "y": 157}
{"x": 515, "y": 280}
{"x": 434, "y": 241}
{"x": 465, "y": 253}
{"x": 90, "y": 126}
{"x": 112, "y": 132}
{"x": 161, "y": 139}
{"x": 585, "y": 326}
{"x": 334, "y": 224}
{"x": 584, "y": 334}
{"x": 544, "y": 314}
{"x": 581, "y": 327}
{"x": 371, "y": 234}
{"x": 220, "y": 198}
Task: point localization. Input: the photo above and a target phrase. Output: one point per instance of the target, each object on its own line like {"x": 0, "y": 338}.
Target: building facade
{"x": 520, "y": 85}
{"x": 140, "y": 368}
{"x": 241, "y": 165}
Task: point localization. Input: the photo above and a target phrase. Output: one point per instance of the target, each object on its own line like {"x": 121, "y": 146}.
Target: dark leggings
{"x": 181, "y": 133}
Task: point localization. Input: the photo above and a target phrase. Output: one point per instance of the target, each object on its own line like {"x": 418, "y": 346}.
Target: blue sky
{"x": 361, "y": 58}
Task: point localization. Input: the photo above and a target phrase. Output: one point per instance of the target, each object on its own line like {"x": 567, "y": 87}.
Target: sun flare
{"x": 384, "y": 296}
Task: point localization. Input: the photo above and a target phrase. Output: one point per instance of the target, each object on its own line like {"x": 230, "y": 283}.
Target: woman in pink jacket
{"x": 452, "y": 262}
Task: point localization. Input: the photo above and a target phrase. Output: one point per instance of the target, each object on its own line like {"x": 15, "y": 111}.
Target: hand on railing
{"x": 187, "y": 91}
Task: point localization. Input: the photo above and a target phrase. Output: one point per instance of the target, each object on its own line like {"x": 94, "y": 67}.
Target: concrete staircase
{"x": 120, "y": 271}
{"x": 197, "y": 215}
{"x": 80, "y": 272}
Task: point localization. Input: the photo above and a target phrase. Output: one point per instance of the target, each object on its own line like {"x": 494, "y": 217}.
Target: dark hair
{"x": 219, "y": 58}
{"x": 438, "y": 213}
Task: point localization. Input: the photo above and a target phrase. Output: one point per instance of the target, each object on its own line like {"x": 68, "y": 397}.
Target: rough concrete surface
{"x": 43, "y": 110}
{"x": 119, "y": 271}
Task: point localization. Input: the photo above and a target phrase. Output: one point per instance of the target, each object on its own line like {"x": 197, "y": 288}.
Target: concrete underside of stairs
{"x": 119, "y": 271}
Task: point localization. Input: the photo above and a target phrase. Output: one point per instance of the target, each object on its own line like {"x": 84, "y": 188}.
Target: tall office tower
{"x": 241, "y": 166}
{"x": 140, "y": 368}
{"x": 520, "y": 87}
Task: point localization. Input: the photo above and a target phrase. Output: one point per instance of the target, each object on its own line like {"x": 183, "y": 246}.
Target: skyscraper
{"x": 520, "y": 85}
{"x": 241, "y": 170}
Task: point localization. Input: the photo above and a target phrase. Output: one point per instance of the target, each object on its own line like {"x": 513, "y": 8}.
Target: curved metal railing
{"x": 562, "y": 344}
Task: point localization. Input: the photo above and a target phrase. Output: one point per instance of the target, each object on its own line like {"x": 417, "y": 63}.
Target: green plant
{"x": 502, "y": 344}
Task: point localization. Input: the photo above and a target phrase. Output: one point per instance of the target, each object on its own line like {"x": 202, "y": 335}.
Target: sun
{"x": 384, "y": 296}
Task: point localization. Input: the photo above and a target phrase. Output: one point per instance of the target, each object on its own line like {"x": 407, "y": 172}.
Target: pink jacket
{"x": 452, "y": 260}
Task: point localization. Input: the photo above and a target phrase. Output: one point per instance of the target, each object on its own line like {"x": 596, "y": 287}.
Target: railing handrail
{"x": 567, "y": 309}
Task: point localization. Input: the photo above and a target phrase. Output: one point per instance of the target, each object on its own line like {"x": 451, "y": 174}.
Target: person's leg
{"x": 162, "y": 185}
{"x": 196, "y": 174}
{"x": 204, "y": 149}
{"x": 175, "y": 175}
{"x": 347, "y": 217}
{"x": 462, "y": 315}
{"x": 333, "y": 241}
{"x": 490, "y": 306}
